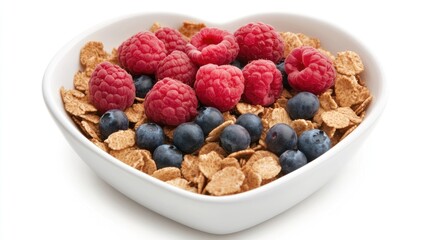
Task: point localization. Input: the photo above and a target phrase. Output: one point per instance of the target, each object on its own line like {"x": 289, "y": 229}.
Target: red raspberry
{"x": 111, "y": 87}
{"x": 212, "y": 45}
{"x": 219, "y": 86}
{"x": 171, "y": 102}
{"x": 171, "y": 38}
{"x": 259, "y": 41}
{"x": 309, "y": 70}
{"x": 178, "y": 66}
{"x": 263, "y": 82}
{"x": 141, "y": 53}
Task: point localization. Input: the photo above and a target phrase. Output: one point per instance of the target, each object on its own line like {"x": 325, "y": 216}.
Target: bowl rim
{"x": 61, "y": 116}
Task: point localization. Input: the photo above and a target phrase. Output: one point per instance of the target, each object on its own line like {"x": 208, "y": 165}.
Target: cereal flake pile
{"x": 184, "y": 64}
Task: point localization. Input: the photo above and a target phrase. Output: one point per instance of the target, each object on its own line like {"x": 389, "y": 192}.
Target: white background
{"x": 47, "y": 192}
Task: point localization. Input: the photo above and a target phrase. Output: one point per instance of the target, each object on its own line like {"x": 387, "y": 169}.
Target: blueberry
{"x": 313, "y": 143}
{"x": 281, "y": 137}
{"x": 303, "y": 106}
{"x": 188, "y": 137}
{"x": 149, "y": 136}
{"x": 237, "y": 63}
{"x": 112, "y": 121}
{"x": 291, "y": 160}
{"x": 167, "y": 155}
{"x": 281, "y": 67}
{"x": 234, "y": 138}
{"x": 253, "y": 124}
{"x": 208, "y": 118}
{"x": 143, "y": 84}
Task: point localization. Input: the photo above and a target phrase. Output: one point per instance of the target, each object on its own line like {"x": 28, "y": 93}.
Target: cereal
{"x": 308, "y": 41}
{"x": 243, "y": 108}
{"x": 210, "y": 165}
{"x": 291, "y": 41}
{"x": 335, "y": 119}
{"x": 131, "y": 157}
{"x": 226, "y": 181}
{"x": 267, "y": 167}
{"x": 121, "y": 139}
{"x": 189, "y": 29}
{"x": 182, "y": 183}
{"x": 135, "y": 113}
{"x": 348, "y": 63}
{"x": 190, "y": 168}
{"x": 215, "y": 133}
{"x": 167, "y": 173}
{"x": 210, "y": 170}
{"x": 212, "y": 146}
{"x": 301, "y": 125}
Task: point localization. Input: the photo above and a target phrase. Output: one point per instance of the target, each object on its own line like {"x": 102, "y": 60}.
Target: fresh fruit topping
{"x": 313, "y": 143}
{"x": 281, "y": 67}
{"x": 263, "y": 82}
{"x": 112, "y": 121}
{"x": 141, "y": 53}
{"x": 291, "y": 160}
{"x": 259, "y": 41}
{"x": 171, "y": 102}
{"x": 234, "y": 138}
{"x": 167, "y": 155}
{"x": 209, "y": 118}
{"x": 303, "y": 106}
{"x": 219, "y": 86}
{"x": 143, "y": 84}
{"x": 253, "y": 124}
{"x": 212, "y": 45}
{"x": 281, "y": 137}
{"x": 177, "y": 65}
{"x": 149, "y": 136}
{"x": 309, "y": 70}
{"x": 111, "y": 87}
{"x": 188, "y": 137}
{"x": 172, "y": 39}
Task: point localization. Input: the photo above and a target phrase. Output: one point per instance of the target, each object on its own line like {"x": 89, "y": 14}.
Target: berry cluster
{"x": 188, "y": 84}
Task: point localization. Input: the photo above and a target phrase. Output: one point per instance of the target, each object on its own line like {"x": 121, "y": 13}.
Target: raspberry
{"x": 178, "y": 66}
{"x": 212, "y": 45}
{"x": 141, "y": 53}
{"x": 220, "y": 87}
{"x": 309, "y": 70}
{"x": 111, "y": 87}
{"x": 171, "y": 38}
{"x": 259, "y": 41}
{"x": 171, "y": 102}
{"x": 263, "y": 82}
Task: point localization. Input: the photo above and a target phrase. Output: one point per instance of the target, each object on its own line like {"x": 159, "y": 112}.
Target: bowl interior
{"x": 64, "y": 65}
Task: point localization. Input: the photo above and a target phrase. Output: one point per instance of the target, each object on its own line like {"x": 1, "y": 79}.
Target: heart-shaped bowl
{"x": 225, "y": 214}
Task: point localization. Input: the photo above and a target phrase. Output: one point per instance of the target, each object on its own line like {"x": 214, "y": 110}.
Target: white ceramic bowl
{"x": 219, "y": 215}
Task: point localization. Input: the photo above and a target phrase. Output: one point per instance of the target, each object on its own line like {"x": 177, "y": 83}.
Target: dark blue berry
{"x": 303, "y": 106}
{"x": 149, "y": 136}
{"x": 281, "y": 137}
{"x": 234, "y": 138}
{"x": 188, "y": 137}
{"x": 237, "y": 63}
{"x": 291, "y": 160}
{"x": 167, "y": 155}
{"x": 253, "y": 124}
{"x": 112, "y": 121}
{"x": 281, "y": 67}
{"x": 208, "y": 118}
{"x": 314, "y": 143}
{"x": 143, "y": 84}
